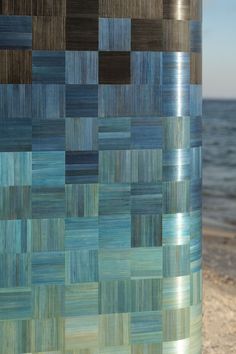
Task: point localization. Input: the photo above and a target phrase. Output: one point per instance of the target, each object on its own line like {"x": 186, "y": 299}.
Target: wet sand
{"x": 219, "y": 291}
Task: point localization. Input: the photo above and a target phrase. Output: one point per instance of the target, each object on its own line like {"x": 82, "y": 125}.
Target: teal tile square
{"x": 146, "y": 327}
{"x": 81, "y": 233}
{"x": 81, "y": 266}
{"x": 48, "y": 268}
{"x": 114, "y": 232}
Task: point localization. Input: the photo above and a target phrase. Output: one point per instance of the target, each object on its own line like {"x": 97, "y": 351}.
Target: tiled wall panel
{"x": 100, "y": 176}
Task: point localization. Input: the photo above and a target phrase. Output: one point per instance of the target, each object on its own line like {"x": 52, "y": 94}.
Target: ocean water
{"x": 219, "y": 164}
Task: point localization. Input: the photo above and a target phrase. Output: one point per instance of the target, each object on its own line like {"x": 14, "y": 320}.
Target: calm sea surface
{"x": 219, "y": 163}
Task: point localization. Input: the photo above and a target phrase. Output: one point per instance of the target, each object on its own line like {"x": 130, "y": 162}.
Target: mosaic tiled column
{"x": 100, "y": 176}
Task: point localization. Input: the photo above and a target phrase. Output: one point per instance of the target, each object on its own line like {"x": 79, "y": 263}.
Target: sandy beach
{"x": 219, "y": 291}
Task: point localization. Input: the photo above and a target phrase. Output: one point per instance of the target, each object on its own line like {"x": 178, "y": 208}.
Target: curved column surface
{"x": 100, "y": 177}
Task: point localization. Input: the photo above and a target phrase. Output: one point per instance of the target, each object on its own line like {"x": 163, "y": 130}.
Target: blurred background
{"x": 219, "y": 175}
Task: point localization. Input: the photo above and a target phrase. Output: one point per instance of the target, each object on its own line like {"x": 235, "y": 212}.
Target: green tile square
{"x": 146, "y": 230}
{"x": 48, "y": 235}
{"x": 81, "y": 333}
{"x": 115, "y": 296}
{"x": 176, "y": 324}
{"x": 114, "y": 199}
{"x": 47, "y": 301}
{"x": 155, "y": 348}
{"x": 176, "y": 133}
{"x": 48, "y": 334}
{"x": 15, "y": 270}
{"x": 114, "y": 264}
{"x": 146, "y": 295}
{"x": 146, "y": 166}
{"x": 81, "y": 299}
{"x": 15, "y": 236}
{"x": 15, "y": 202}
{"x": 176, "y": 260}
{"x": 114, "y": 330}
{"x": 146, "y": 262}
{"x": 115, "y": 166}
{"x": 48, "y": 202}
{"x": 82, "y": 200}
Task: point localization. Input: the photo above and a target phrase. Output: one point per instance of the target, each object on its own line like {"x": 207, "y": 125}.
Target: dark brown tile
{"x": 82, "y": 8}
{"x": 49, "y": 8}
{"x": 146, "y": 35}
{"x": 196, "y": 68}
{"x": 16, "y": 7}
{"x": 48, "y": 33}
{"x": 146, "y": 9}
{"x": 176, "y": 36}
{"x": 114, "y": 68}
{"x": 15, "y": 67}
{"x": 178, "y": 10}
{"x": 81, "y": 33}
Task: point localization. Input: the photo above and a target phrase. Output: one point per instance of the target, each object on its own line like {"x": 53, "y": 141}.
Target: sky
{"x": 219, "y": 49}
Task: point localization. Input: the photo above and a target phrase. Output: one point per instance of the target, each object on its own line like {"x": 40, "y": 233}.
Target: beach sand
{"x": 219, "y": 291}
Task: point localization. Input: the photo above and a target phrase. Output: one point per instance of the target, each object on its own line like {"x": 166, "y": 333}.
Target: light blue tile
{"x": 81, "y": 67}
{"x": 115, "y": 34}
{"x": 146, "y": 68}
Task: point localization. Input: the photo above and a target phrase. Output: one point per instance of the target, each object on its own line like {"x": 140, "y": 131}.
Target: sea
{"x": 219, "y": 164}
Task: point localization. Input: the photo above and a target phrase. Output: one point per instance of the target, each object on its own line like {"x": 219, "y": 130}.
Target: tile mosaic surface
{"x": 100, "y": 177}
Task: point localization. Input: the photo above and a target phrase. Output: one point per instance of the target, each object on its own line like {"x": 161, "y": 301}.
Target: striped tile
{"x": 48, "y": 101}
{"x": 15, "y": 169}
{"x": 81, "y": 67}
{"x": 81, "y": 167}
{"x": 114, "y": 233}
{"x": 15, "y": 304}
{"x": 48, "y": 67}
{"x": 15, "y": 32}
{"x": 81, "y": 134}
{"x": 81, "y": 100}
{"x": 81, "y": 233}
{"x": 81, "y": 299}
{"x": 115, "y": 296}
{"x": 114, "y": 34}
{"x": 43, "y": 262}
{"x": 146, "y": 327}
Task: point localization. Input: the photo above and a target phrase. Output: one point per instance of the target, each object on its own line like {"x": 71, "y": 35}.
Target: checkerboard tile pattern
{"x": 100, "y": 176}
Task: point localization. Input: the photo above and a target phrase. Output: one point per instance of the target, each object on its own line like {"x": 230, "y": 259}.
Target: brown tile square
{"x": 196, "y": 68}
{"x": 81, "y": 33}
{"x": 176, "y": 36}
{"x": 114, "y": 68}
{"x": 16, "y": 7}
{"x": 146, "y": 35}
{"x": 178, "y": 10}
{"x": 15, "y": 67}
{"x": 48, "y": 33}
{"x": 82, "y": 8}
{"x": 145, "y": 9}
{"x": 49, "y": 8}
{"x": 196, "y": 10}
